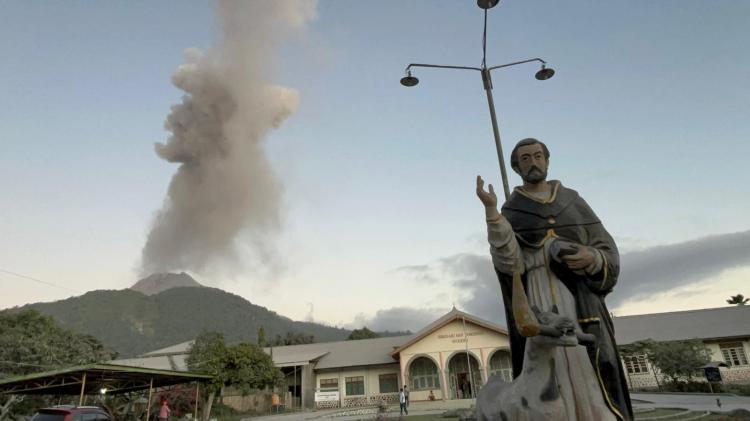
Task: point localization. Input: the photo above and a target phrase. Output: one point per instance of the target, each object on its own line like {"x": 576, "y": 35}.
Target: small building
{"x": 448, "y": 359}
{"x": 455, "y": 355}
{"x": 725, "y": 331}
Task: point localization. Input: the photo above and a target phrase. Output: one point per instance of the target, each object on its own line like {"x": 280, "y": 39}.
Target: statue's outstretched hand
{"x": 488, "y": 198}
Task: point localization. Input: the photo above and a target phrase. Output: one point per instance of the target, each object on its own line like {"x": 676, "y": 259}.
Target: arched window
{"x": 424, "y": 374}
{"x": 500, "y": 364}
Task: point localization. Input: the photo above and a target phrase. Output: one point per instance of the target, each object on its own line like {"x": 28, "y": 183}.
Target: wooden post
{"x": 83, "y": 388}
{"x": 468, "y": 361}
{"x": 197, "y": 386}
{"x": 148, "y": 406}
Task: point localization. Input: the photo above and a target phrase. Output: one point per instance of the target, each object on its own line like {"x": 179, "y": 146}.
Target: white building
{"x": 456, "y": 354}
{"x": 725, "y": 331}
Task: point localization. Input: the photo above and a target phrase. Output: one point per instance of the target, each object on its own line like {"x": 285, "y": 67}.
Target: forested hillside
{"x": 133, "y": 323}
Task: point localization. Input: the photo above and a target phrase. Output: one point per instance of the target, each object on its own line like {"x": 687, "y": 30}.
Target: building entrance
{"x": 464, "y": 376}
{"x": 293, "y": 381}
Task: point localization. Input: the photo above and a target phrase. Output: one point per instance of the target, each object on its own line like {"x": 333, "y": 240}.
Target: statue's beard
{"x": 535, "y": 175}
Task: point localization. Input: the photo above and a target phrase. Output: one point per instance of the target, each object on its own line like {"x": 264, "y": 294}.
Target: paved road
{"x": 690, "y": 401}
{"x": 416, "y": 408}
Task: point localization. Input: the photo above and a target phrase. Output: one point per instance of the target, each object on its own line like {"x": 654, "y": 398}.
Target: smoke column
{"x": 225, "y": 187}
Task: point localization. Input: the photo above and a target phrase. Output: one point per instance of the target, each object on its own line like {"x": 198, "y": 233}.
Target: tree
{"x": 244, "y": 366}
{"x": 292, "y": 338}
{"x": 32, "y": 342}
{"x": 677, "y": 360}
{"x": 738, "y": 299}
{"x": 363, "y": 333}
{"x": 261, "y": 337}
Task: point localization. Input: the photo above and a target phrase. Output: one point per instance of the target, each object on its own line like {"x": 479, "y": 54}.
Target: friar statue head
{"x": 530, "y": 160}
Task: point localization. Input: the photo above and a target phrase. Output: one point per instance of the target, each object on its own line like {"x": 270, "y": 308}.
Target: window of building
{"x": 388, "y": 383}
{"x": 500, "y": 365}
{"x": 424, "y": 374}
{"x": 636, "y": 364}
{"x": 329, "y": 385}
{"x": 733, "y": 353}
{"x": 355, "y": 386}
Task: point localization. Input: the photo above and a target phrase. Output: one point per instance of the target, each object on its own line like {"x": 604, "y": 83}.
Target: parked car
{"x": 71, "y": 413}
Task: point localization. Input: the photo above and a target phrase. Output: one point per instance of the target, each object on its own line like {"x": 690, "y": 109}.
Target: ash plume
{"x": 225, "y": 195}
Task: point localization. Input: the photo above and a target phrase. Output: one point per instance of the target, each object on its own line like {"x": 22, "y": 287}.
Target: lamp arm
{"x": 517, "y": 62}
{"x": 441, "y": 67}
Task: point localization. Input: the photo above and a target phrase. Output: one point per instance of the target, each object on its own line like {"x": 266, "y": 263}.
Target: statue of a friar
{"x": 549, "y": 234}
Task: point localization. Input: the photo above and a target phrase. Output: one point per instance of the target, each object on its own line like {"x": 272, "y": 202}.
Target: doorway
{"x": 464, "y": 376}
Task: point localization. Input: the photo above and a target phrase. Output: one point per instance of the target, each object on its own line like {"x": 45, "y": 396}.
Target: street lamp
{"x": 543, "y": 74}
{"x": 526, "y": 321}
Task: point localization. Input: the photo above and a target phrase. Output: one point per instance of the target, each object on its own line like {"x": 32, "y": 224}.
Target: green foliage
{"x": 738, "y": 299}
{"x": 250, "y": 368}
{"x": 207, "y": 355}
{"x": 292, "y": 338}
{"x": 677, "y": 360}
{"x": 133, "y": 323}
{"x": 225, "y": 413}
{"x": 703, "y": 387}
{"x": 261, "y": 336}
{"x": 32, "y": 342}
{"x": 363, "y": 333}
{"x": 737, "y": 389}
{"x": 688, "y": 387}
{"x": 244, "y": 366}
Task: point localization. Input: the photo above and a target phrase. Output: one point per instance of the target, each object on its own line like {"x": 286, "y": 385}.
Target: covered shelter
{"x": 95, "y": 379}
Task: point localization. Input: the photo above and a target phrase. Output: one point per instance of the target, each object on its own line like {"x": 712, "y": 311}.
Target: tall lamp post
{"x": 526, "y": 321}
{"x": 543, "y": 74}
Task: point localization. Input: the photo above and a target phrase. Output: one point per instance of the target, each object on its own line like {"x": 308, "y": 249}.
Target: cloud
{"x": 473, "y": 279}
{"x": 644, "y": 274}
{"x": 476, "y": 285}
{"x": 662, "y": 268}
{"x": 399, "y": 318}
{"x": 413, "y": 268}
{"x": 420, "y": 273}
{"x": 627, "y": 244}
{"x": 710, "y": 292}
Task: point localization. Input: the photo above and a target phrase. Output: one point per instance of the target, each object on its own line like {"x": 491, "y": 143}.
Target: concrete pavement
{"x": 641, "y": 401}
{"x": 691, "y": 401}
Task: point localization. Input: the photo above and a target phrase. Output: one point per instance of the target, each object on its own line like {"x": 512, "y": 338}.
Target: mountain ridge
{"x": 132, "y": 323}
{"x": 135, "y": 321}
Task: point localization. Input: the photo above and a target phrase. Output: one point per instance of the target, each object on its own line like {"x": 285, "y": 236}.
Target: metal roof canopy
{"x": 92, "y": 378}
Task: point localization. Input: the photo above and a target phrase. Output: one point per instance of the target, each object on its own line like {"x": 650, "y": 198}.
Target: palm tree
{"x": 738, "y": 299}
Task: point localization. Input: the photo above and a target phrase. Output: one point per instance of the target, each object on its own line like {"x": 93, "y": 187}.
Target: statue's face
{"x": 532, "y": 165}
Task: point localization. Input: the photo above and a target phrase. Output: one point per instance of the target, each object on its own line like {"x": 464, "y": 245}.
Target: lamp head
{"x": 409, "y": 80}
{"x": 544, "y": 73}
{"x": 487, "y": 4}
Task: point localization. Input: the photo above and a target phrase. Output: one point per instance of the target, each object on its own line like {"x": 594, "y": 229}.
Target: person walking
{"x": 164, "y": 411}
{"x": 406, "y": 395}
{"x": 402, "y": 402}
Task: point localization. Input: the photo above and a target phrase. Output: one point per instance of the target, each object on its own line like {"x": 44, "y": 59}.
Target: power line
{"x": 38, "y": 280}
